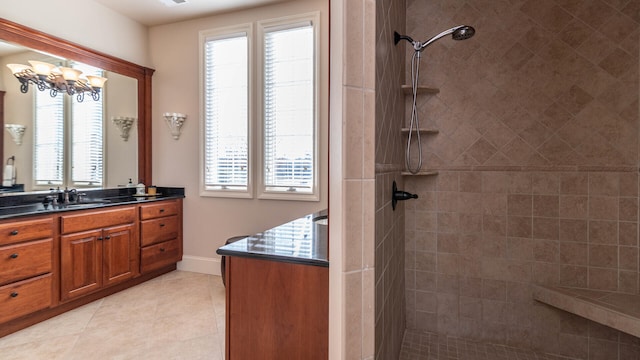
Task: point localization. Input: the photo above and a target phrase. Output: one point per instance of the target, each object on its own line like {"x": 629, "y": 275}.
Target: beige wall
{"x": 83, "y": 22}
{"x": 538, "y": 160}
{"x": 209, "y": 221}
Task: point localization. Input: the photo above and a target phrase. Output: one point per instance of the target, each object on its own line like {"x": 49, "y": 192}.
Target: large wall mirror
{"x": 126, "y": 95}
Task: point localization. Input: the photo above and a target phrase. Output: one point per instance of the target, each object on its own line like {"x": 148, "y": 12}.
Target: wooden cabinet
{"x": 276, "y": 309}
{"x": 92, "y": 258}
{"x": 26, "y": 263}
{"x": 52, "y": 264}
{"x": 160, "y": 234}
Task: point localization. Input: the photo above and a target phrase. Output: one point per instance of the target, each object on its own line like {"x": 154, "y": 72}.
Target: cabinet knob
{"x": 161, "y": 249}
{"x": 99, "y": 237}
{"x": 13, "y": 256}
{"x": 14, "y": 232}
{"x": 107, "y": 237}
{"x": 161, "y": 210}
{"x": 161, "y": 225}
{"x": 13, "y": 294}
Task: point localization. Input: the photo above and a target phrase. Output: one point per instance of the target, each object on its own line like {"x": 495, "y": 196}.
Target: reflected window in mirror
{"x": 68, "y": 140}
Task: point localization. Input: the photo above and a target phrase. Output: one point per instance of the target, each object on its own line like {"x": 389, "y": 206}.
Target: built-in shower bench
{"x": 616, "y": 310}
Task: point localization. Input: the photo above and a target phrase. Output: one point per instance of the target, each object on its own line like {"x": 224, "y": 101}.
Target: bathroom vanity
{"x": 277, "y": 292}
{"x": 56, "y": 257}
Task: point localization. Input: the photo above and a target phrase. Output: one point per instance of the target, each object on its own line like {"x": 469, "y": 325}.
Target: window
{"x": 83, "y": 140}
{"x": 283, "y": 110}
{"x": 288, "y": 111}
{"x": 226, "y": 112}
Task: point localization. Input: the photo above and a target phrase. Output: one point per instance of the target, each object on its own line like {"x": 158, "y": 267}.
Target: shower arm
{"x": 419, "y": 46}
{"x": 423, "y": 45}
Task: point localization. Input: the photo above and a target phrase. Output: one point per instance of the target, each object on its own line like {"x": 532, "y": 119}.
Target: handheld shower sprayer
{"x": 460, "y": 32}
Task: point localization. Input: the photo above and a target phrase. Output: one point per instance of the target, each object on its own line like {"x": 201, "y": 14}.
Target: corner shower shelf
{"x": 419, "y": 173}
{"x": 421, "y": 90}
{"x": 616, "y": 310}
{"x": 422, "y": 131}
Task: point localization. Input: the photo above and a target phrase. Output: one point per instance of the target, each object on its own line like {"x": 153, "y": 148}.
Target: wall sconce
{"x": 45, "y": 76}
{"x": 175, "y": 122}
{"x": 124, "y": 124}
{"x": 16, "y": 131}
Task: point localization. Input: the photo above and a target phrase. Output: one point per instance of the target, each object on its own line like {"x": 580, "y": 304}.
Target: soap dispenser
{"x": 130, "y": 184}
{"x": 140, "y": 188}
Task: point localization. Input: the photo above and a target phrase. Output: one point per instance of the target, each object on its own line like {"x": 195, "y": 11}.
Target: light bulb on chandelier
{"x": 45, "y": 76}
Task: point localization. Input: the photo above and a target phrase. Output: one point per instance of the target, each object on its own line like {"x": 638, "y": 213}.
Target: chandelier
{"x": 47, "y": 76}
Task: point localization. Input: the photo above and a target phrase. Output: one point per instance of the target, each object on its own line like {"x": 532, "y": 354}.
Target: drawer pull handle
{"x": 161, "y": 210}
{"x": 161, "y": 225}
{"x": 99, "y": 237}
{"x": 13, "y": 256}
{"x": 161, "y": 249}
{"x": 107, "y": 237}
{"x": 14, "y": 294}
{"x": 14, "y": 232}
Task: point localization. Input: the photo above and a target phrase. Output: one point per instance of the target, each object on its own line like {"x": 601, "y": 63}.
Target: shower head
{"x": 461, "y": 32}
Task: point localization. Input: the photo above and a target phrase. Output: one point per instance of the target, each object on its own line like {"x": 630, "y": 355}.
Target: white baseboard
{"x": 200, "y": 264}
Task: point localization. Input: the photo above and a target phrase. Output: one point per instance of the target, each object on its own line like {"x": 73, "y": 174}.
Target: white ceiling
{"x": 154, "y": 12}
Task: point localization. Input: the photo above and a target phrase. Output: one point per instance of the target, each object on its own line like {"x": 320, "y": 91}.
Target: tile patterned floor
{"x": 179, "y": 315}
{"x": 428, "y": 346}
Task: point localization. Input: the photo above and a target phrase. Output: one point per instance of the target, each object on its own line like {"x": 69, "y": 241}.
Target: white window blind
{"x": 87, "y": 136}
{"x": 289, "y": 109}
{"x": 48, "y": 165}
{"x": 226, "y": 109}
{"x": 84, "y": 142}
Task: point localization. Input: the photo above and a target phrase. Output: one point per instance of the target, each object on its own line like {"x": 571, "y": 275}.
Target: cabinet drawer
{"x": 157, "y": 230}
{"x": 19, "y": 231}
{"x": 88, "y": 220}
{"x": 164, "y": 208}
{"x": 159, "y": 255}
{"x": 25, "y": 297}
{"x": 24, "y": 260}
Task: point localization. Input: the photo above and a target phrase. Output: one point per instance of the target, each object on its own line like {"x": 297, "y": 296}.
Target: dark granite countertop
{"x": 30, "y": 204}
{"x": 301, "y": 241}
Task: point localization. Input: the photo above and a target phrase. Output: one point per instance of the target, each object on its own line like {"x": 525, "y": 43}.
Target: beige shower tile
{"x": 546, "y": 228}
{"x": 352, "y": 307}
{"x": 603, "y": 207}
{"x": 354, "y": 43}
{"x": 353, "y": 132}
{"x": 573, "y": 207}
{"x": 573, "y": 230}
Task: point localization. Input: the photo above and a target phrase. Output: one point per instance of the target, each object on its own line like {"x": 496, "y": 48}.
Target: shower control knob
{"x": 398, "y": 195}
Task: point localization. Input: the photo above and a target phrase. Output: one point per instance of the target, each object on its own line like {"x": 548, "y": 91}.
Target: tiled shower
{"x": 537, "y": 155}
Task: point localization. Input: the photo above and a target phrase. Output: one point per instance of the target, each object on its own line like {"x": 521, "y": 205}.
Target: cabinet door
{"x": 120, "y": 250}
{"x": 81, "y": 263}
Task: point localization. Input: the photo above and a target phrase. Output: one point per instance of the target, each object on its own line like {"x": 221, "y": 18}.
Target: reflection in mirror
{"x": 69, "y": 143}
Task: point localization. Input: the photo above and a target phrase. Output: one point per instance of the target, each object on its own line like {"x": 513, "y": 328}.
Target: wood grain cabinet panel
{"x": 276, "y": 310}
{"x": 93, "y": 259}
{"x": 24, "y": 260}
{"x": 13, "y": 232}
{"x": 24, "y": 297}
{"x": 158, "y": 230}
{"x": 160, "y": 234}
